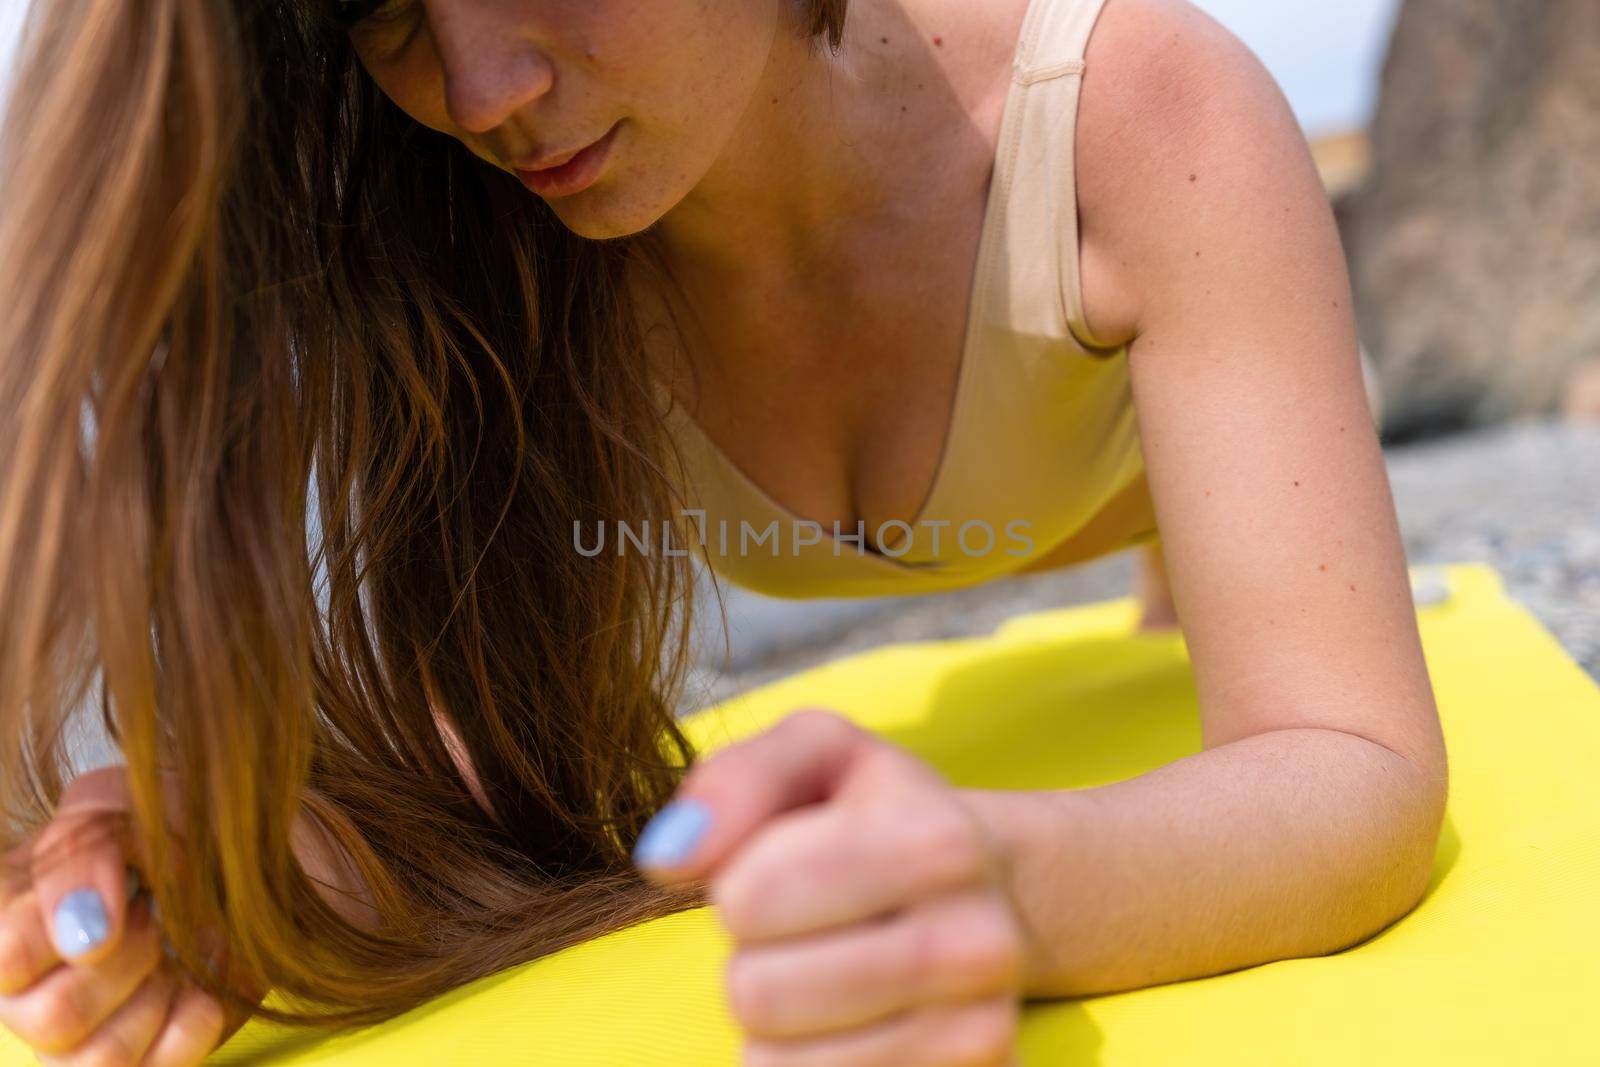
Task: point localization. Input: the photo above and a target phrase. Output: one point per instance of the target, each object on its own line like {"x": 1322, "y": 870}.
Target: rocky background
{"x": 1471, "y": 217}
{"x": 1474, "y": 242}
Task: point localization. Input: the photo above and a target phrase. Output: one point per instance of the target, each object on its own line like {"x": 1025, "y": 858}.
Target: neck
{"x": 808, "y": 155}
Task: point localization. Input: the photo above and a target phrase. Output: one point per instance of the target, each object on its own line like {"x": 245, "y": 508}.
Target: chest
{"x": 834, "y": 395}
{"x": 832, "y": 384}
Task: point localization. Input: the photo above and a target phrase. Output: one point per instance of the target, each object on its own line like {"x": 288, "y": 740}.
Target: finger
{"x": 60, "y": 1010}
{"x": 801, "y": 760}
{"x": 972, "y": 1034}
{"x": 129, "y": 1032}
{"x": 831, "y": 865}
{"x": 26, "y": 950}
{"x": 15, "y": 877}
{"x": 960, "y": 947}
{"x": 194, "y": 1027}
{"x": 79, "y": 867}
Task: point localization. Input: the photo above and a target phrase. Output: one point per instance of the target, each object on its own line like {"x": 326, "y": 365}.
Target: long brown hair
{"x": 239, "y": 287}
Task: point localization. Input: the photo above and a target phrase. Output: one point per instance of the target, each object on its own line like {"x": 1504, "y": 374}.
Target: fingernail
{"x": 672, "y": 834}
{"x": 80, "y": 922}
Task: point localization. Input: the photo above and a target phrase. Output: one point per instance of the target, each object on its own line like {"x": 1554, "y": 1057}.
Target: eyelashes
{"x": 348, "y": 13}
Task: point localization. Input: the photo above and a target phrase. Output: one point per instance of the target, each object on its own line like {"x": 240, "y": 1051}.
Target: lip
{"x": 563, "y": 174}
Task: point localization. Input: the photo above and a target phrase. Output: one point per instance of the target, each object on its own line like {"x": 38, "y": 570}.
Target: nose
{"x": 490, "y": 70}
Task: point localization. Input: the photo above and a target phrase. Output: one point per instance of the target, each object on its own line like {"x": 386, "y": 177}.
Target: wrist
{"x": 1033, "y": 838}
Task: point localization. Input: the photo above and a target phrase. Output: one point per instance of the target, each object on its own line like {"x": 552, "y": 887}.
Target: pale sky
{"x": 10, "y": 22}
{"x": 1325, "y": 53}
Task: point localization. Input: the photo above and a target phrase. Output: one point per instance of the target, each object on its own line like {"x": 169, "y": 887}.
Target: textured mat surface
{"x": 1499, "y": 963}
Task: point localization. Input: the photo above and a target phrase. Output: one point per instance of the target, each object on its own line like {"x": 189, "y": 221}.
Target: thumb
{"x": 806, "y": 758}
{"x": 79, "y": 867}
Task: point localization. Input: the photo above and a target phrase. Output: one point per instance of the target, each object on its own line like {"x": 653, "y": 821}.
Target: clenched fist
{"x": 871, "y": 920}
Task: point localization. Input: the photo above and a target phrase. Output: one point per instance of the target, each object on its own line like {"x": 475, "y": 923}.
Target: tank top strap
{"x": 1056, "y": 41}
{"x": 1037, "y": 275}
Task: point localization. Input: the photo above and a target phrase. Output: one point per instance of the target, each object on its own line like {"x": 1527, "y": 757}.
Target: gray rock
{"x": 1474, "y": 243}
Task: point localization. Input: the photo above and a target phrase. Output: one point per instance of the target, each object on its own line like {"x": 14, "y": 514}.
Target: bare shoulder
{"x": 1179, "y": 122}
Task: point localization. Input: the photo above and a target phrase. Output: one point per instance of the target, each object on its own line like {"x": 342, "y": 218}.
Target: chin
{"x": 602, "y": 214}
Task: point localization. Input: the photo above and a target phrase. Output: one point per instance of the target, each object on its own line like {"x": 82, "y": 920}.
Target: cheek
{"x": 414, "y": 81}
{"x": 701, "y": 84}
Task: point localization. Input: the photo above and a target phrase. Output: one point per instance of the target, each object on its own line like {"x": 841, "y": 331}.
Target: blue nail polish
{"x": 80, "y": 922}
{"x": 672, "y": 834}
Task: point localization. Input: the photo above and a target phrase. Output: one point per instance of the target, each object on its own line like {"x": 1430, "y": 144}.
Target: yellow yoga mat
{"x": 1499, "y": 964}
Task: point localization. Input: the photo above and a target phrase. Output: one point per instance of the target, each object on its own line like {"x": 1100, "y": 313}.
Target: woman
{"x": 497, "y": 274}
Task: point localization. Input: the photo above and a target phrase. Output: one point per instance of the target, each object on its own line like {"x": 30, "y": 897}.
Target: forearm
{"x": 1284, "y": 844}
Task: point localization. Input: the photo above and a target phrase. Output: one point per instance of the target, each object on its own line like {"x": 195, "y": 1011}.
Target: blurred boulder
{"x": 1582, "y": 400}
{"x": 1474, "y": 243}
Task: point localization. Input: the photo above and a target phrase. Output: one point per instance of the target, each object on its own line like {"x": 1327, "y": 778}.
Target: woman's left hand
{"x": 868, "y": 902}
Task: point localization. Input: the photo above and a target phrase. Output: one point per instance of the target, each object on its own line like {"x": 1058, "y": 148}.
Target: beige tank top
{"x": 1041, "y": 432}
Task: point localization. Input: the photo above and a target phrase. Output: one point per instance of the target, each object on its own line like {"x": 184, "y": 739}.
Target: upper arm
{"x": 1277, "y": 522}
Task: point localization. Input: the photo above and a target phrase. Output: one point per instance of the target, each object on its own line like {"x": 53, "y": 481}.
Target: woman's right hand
{"x": 83, "y": 975}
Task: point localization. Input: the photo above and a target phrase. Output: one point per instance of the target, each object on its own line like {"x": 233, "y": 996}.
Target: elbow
{"x": 1413, "y": 873}
{"x": 1397, "y": 885}
{"x": 1418, "y": 827}
{"x": 1399, "y": 856}
{"x": 1431, "y": 792}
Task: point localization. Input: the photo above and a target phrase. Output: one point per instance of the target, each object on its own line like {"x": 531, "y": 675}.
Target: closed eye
{"x": 348, "y": 13}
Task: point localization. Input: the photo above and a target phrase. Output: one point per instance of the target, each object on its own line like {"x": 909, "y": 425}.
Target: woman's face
{"x": 657, "y": 87}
